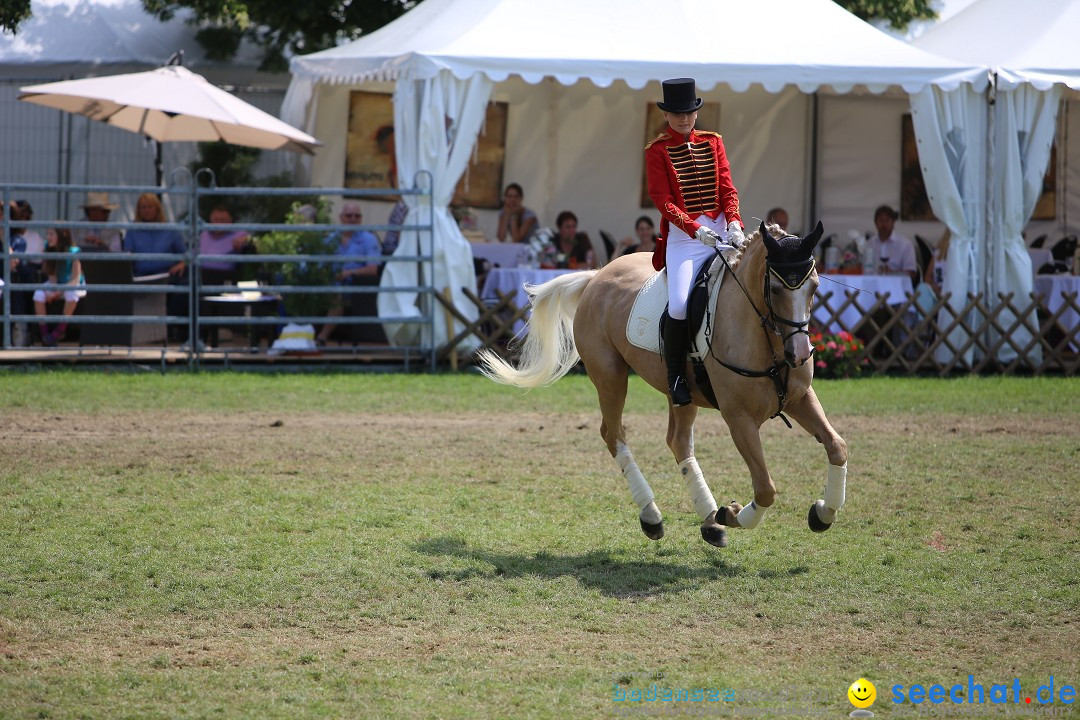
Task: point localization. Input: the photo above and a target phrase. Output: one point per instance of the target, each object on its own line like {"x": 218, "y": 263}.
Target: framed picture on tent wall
{"x": 708, "y": 119}
{"x": 481, "y": 185}
{"x": 915, "y": 204}
{"x": 1046, "y": 206}
{"x": 370, "y": 161}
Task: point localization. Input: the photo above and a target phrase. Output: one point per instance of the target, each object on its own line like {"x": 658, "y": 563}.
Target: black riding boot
{"x": 675, "y": 359}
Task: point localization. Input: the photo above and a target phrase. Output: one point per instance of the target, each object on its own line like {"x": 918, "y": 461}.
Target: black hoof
{"x": 814, "y": 521}
{"x": 653, "y": 531}
{"x": 714, "y": 535}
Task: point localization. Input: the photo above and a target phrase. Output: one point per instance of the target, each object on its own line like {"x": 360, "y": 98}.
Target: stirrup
{"x": 679, "y": 391}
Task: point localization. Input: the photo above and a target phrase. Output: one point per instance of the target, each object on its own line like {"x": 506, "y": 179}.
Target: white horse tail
{"x": 548, "y": 351}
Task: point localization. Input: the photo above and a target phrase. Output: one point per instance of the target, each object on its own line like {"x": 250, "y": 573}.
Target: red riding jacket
{"x": 688, "y": 179}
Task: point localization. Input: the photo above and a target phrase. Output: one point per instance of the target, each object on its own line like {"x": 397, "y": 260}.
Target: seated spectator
{"x": 34, "y": 242}
{"x": 345, "y": 243}
{"x": 643, "y": 239}
{"x": 935, "y": 269}
{"x": 97, "y": 209}
{"x": 60, "y": 272}
{"x": 149, "y": 210}
{"x": 895, "y": 253}
{"x": 221, "y": 242}
{"x": 23, "y": 270}
{"x": 570, "y": 248}
{"x": 778, "y": 216}
{"x": 397, "y": 217}
{"x": 517, "y": 223}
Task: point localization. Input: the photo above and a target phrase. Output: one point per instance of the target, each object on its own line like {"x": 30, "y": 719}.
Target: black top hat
{"x": 680, "y": 96}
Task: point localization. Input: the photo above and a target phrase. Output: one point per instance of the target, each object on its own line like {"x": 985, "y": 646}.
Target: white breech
{"x": 699, "y": 490}
{"x": 639, "y": 488}
{"x": 684, "y": 258}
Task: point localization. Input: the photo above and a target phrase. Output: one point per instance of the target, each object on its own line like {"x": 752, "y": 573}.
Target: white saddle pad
{"x": 643, "y": 325}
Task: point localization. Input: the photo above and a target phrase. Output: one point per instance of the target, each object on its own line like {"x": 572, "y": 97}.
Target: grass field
{"x": 361, "y": 546}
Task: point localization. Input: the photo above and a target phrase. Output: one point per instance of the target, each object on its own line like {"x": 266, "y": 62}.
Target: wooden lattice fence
{"x": 1011, "y": 335}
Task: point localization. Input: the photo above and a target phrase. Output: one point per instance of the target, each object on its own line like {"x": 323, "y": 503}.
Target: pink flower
{"x": 820, "y": 365}
{"x": 831, "y": 345}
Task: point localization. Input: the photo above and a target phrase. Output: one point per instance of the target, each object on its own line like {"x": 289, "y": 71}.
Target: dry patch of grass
{"x": 487, "y": 563}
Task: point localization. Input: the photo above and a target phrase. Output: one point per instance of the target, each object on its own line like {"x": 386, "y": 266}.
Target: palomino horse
{"x": 758, "y": 362}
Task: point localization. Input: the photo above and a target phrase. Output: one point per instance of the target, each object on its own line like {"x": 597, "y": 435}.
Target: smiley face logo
{"x": 862, "y": 693}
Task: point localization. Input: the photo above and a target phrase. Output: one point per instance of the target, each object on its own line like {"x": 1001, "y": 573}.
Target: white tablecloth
{"x": 512, "y": 280}
{"x": 1051, "y": 288}
{"x": 894, "y": 287}
{"x": 504, "y": 255}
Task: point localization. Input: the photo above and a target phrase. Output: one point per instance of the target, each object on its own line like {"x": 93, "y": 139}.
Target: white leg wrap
{"x": 699, "y": 490}
{"x": 639, "y": 488}
{"x": 835, "y": 492}
{"x": 751, "y": 515}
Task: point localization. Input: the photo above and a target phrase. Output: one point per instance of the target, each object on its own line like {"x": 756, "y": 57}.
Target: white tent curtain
{"x": 437, "y": 121}
{"x": 951, "y": 130}
{"x": 298, "y": 110}
{"x": 1025, "y": 122}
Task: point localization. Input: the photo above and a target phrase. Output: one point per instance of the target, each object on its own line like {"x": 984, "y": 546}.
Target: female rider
{"x": 690, "y": 183}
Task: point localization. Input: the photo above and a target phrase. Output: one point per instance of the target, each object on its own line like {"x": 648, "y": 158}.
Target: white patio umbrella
{"x": 171, "y": 104}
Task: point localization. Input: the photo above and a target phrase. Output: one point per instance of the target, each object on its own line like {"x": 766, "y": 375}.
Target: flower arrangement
{"x": 838, "y": 355}
{"x": 853, "y": 260}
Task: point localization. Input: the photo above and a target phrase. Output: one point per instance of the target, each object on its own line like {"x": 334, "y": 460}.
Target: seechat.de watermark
{"x": 980, "y": 693}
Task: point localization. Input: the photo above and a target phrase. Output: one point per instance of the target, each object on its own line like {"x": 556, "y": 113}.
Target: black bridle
{"x": 792, "y": 276}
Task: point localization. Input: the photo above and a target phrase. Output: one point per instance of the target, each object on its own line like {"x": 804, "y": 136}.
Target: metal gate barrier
{"x": 146, "y": 310}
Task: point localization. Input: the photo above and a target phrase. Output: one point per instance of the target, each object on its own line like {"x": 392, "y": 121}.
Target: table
{"x": 513, "y": 280}
{"x": 504, "y": 255}
{"x": 242, "y": 305}
{"x": 895, "y": 288}
{"x": 1051, "y": 288}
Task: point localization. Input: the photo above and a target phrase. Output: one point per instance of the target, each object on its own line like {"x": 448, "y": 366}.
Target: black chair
{"x": 924, "y": 256}
{"x": 1064, "y": 248}
{"x": 609, "y": 243}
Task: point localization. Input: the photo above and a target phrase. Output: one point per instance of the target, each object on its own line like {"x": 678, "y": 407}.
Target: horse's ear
{"x": 771, "y": 246}
{"x": 810, "y": 241}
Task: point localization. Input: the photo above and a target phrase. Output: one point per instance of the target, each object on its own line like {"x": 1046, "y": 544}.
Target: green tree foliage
{"x": 280, "y": 27}
{"x": 898, "y": 12}
{"x": 12, "y": 13}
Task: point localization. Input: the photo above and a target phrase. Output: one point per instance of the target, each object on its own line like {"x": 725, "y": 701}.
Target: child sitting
{"x": 59, "y": 272}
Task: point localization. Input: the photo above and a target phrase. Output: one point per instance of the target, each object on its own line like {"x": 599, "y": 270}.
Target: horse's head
{"x": 790, "y": 284}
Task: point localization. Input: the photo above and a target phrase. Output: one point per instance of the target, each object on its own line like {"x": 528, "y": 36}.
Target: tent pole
{"x": 811, "y": 186}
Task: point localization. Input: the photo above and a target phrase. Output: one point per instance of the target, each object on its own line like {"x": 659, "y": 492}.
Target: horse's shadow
{"x": 599, "y": 569}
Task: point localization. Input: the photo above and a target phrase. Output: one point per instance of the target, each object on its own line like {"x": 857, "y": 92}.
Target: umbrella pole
{"x": 158, "y": 171}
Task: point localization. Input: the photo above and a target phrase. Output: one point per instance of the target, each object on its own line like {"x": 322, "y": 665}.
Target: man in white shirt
{"x": 894, "y": 252}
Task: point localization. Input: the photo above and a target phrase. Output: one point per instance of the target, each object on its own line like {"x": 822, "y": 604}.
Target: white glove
{"x": 707, "y": 236}
{"x": 735, "y": 235}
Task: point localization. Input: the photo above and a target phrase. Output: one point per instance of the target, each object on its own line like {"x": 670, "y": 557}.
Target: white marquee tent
{"x": 1035, "y": 57}
{"x": 446, "y": 57}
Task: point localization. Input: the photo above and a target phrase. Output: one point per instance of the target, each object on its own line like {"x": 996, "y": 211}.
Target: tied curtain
{"x": 437, "y": 121}
{"x": 1025, "y": 120}
{"x": 950, "y": 127}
